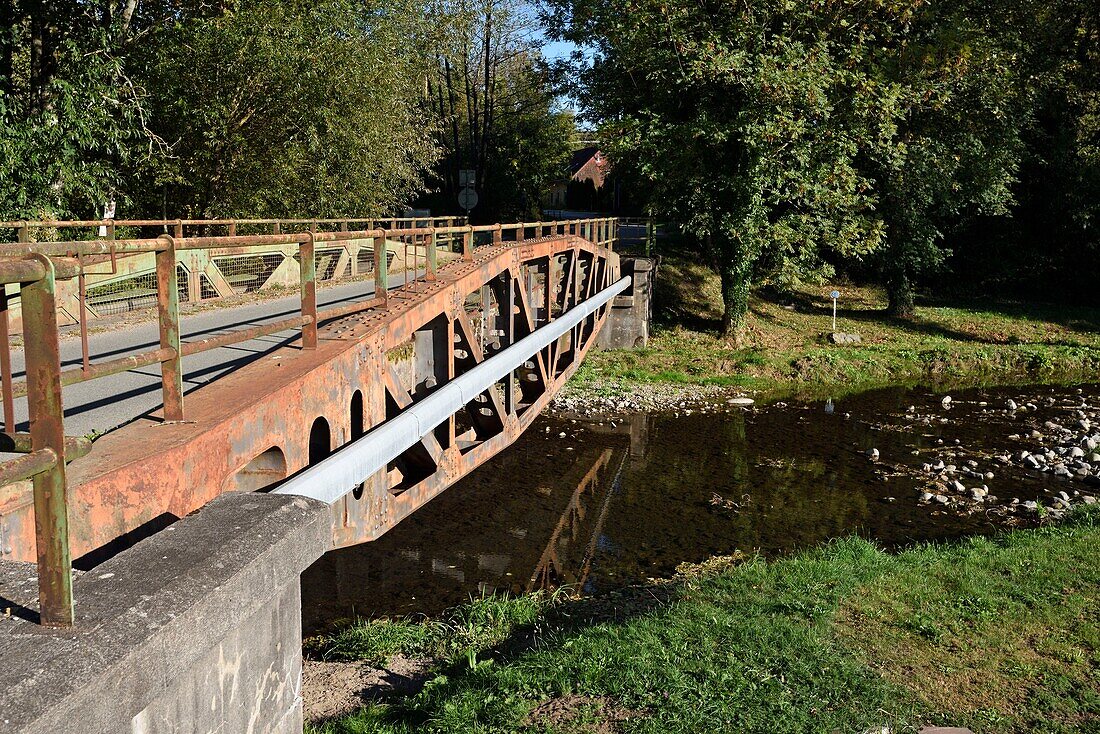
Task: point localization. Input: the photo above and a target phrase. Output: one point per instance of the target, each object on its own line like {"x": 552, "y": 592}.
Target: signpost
{"x": 467, "y": 199}
{"x": 835, "y": 295}
{"x": 467, "y": 195}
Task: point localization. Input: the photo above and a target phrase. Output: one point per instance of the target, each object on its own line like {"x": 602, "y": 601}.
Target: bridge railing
{"x": 126, "y": 282}
{"x": 36, "y": 267}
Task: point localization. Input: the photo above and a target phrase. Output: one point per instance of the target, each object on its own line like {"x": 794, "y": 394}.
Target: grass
{"x": 1000, "y": 634}
{"x": 467, "y": 629}
{"x": 786, "y": 351}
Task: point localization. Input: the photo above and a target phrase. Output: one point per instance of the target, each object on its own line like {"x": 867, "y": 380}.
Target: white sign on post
{"x": 835, "y": 295}
{"x": 108, "y": 213}
{"x": 466, "y": 177}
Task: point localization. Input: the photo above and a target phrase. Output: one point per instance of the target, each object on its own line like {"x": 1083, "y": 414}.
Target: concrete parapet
{"x": 195, "y": 629}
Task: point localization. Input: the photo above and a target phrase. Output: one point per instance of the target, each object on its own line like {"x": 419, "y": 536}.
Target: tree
{"x": 957, "y": 141}
{"x": 1051, "y": 244}
{"x": 750, "y": 123}
{"x": 287, "y": 108}
{"x": 69, "y": 113}
{"x": 495, "y": 98}
{"x": 224, "y": 108}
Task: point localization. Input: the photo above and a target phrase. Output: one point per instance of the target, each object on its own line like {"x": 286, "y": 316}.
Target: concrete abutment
{"x": 195, "y": 629}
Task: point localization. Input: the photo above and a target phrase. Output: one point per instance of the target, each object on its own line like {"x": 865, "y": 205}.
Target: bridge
{"x": 331, "y": 415}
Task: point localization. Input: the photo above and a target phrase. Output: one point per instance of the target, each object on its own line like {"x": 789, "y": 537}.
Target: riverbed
{"x": 599, "y": 504}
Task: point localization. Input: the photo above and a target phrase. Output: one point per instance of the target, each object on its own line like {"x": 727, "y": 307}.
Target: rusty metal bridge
{"x": 375, "y": 405}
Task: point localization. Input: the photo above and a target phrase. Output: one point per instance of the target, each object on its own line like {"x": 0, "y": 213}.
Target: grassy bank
{"x": 786, "y": 350}
{"x": 1002, "y": 635}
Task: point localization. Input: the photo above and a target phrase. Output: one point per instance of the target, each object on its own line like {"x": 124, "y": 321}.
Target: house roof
{"x": 581, "y": 157}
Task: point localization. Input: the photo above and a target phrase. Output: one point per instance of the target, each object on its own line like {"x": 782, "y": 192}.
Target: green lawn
{"x": 1001, "y": 634}
{"x": 786, "y": 351}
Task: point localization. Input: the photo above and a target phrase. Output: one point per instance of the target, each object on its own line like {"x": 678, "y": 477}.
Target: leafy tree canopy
{"x": 783, "y": 134}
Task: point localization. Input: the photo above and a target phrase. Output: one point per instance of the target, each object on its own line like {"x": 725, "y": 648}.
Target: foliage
{"x": 69, "y": 114}
{"x": 495, "y": 98}
{"x": 287, "y": 109}
{"x": 957, "y": 143}
{"x": 788, "y": 136}
{"x": 1050, "y": 241}
{"x": 749, "y": 123}
{"x": 282, "y": 108}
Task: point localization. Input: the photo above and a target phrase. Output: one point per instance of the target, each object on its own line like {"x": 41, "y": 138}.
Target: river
{"x": 615, "y": 502}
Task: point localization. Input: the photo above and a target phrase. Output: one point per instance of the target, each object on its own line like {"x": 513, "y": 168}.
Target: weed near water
{"x": 1001, "y": 634}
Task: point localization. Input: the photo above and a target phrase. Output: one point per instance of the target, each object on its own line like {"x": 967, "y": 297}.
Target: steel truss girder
{"x": 150, "y": 472}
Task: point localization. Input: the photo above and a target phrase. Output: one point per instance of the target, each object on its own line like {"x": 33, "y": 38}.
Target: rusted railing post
{"x": 168, "y": 315}
{"x": 51, "y": 519}
{"x": 309, "y": 290}
{"x": 381, "y": 269}
{"x": 82, "y": 288}
{"x": 431, "y": 257}
{"x": 5, "y": 362}
{"x": 468, "y": 243}
{"x": 498, "y": 235}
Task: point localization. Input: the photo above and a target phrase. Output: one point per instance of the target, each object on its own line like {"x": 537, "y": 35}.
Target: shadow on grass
{"x": 1085, "y": 321}
{"x": 560, "y": 621}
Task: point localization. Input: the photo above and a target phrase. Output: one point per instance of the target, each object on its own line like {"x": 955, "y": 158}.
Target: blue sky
{"x": 558, "y": 49}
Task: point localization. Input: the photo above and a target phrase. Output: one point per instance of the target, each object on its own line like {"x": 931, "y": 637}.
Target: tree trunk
{"x": 899, "y": 289}
{"x": 735, "y": 300}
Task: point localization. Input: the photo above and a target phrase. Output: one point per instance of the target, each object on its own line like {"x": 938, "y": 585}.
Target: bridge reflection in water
{"x": 508, "y": 528}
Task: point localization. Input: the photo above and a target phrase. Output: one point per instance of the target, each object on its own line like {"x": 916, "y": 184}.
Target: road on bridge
{"x": 100, "y": 405}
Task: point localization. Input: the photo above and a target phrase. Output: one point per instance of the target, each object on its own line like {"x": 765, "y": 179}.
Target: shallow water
{"x": 609, "y": 505}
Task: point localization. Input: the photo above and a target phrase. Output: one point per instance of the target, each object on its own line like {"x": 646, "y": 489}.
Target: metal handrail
{"x": 333, "y": 477}
{"x": 24, "y": 227}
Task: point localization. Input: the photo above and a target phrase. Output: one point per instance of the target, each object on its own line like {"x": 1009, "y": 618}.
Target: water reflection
{"x": 611, "y": 504}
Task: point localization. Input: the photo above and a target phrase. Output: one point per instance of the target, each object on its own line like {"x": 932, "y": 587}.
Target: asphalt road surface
{"x": 108, "y": 402}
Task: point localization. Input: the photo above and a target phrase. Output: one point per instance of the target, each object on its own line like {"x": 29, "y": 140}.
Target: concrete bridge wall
{"x": 627, "y": 325}
{"x": 196, "y": 629}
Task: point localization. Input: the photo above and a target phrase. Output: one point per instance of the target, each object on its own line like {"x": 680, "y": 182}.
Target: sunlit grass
{"x": 999, "y": 634}
{"x": 788, "y": 352}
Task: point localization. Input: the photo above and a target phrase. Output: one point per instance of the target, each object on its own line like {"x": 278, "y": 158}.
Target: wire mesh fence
{"x": 133, "y": 293}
